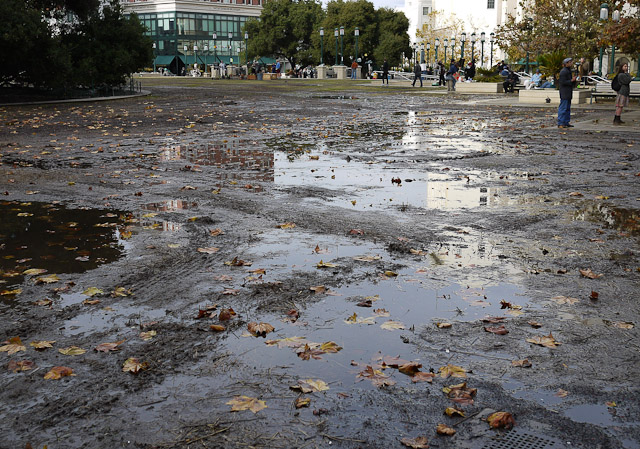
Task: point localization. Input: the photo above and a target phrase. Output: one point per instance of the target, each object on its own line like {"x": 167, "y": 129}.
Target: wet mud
{"x": 370, "y": 227}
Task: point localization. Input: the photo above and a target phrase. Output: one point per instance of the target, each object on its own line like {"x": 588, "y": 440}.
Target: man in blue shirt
{"x": 565, "y": 83}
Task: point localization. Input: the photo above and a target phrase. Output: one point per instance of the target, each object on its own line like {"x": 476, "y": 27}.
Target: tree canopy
{"x": 69, "y": 43}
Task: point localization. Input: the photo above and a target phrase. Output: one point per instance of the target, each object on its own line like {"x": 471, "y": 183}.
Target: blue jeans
{"x": 564, "y": 112}
{"x": 353, "y": 74}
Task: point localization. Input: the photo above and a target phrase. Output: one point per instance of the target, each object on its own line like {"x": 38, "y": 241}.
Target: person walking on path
{"x": 622, "y": 99}
{"x": 451, "y": 76}
{"x": 417, "y": 74}
{"x": 385, "y": 72}
{"x": 583, "y": 71}
{"x": 354, "y": 70}
{"x": 441, "y": 73}
{"x": 565, "y": 81}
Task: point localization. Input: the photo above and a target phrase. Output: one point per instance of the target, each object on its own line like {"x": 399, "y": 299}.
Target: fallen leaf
{"x": 318, "y": 289}
{"x": 52, "y": 278}
{"x": 92, "y": 291}
{"x": 565, "y": 300}
{"x": 443, "y": 325}
{"x": 290, "y": 342}
{"x": 209, "y": 250}
{"x": 423, "y": 377}
{"x": 451, "y": 411}
{"x": 460, "y": 393}
{"x": 239, "y": 263}
{"x": 42, "y": 344}
{"x": 34, "y": 271}
{"x": 217, "y": 328}
{"x": 58, "y": 372}
{"x": 121, "y": 292}
{"x": 146, "y": 336}
{"x": 494, "y": 319}
{"x": 410, "y": 369}
{"x": 381, "y": 312}
{"x": 323, "y": 264}
{"x": 302, "y": 402}
{"x": 134, "y": 366}
{"x": 311, "y": 385}
{"x": 547, "y": 341}
{"x": 452, "y": 371}
{"x": 535, "y": 324}
{"x": 240, "y": 403}
{"x": 499, "y": 420}
{"x": 561, "y": 393}
{"x": 442, "y": 429}
{"x": 500, "y": 330}
{"x": 589, "y": 274}
{"x": 377, "y": 377}
{"x": 72, "y": 350}
{"x": 287, "y": 225}
{"x": 226, "y": 314}
{"x": 260, "y": 329}
{"x": 43, "y": 302}
{"x": 106, "y": 347}
{"x": 367, "y": 258}
{"x": 356, "y": 232}
{"x": 354, "y": 319}
{"x": 594, "y": 295}
{"x": 392, "y": 325}
{"x": 524, "y": 363}
{"x": 390, "y": 273}
{"x": 91, "y": 302}
{"x": 416, "y": 443}
{"x": 622, "y": 324}
{"x": 14, "y": 344}
{"x": 21, "y": 365}
{"x": 215, "y": 232}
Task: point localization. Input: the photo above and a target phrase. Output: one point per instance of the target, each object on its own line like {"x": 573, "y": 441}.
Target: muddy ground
{"x": 433, "y": 209}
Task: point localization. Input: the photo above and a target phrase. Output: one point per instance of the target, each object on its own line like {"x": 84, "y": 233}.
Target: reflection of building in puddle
{"x": 170, "y": 206}
{"x": 147, "y": 220}
{"x": 235, "y": 156}
{"x": 443, "y": 193}
{"x": 623, "y": 220}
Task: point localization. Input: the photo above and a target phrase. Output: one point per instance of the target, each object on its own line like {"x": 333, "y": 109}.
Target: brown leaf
{"x": 72, "y": 350}
{"x": 442, "y": 429}
{"x": 226, "y": 314}
{"x": 500, "y": 330}
{"x": 107, "y": 347}
{"x": 500, "y": 420}
{"x": 356, "y": 232}
{"x": 208, "y": 250}
{"x": 451, "y": 411}
{"x": 423, "y": 377}
{"x": 524, "y": 363}
{"x": 589, "y": 274}
{"x": 230, "y": 291}
{"x": 377, "y": 377}
{"x": 452, "y": 371}
{"x": 134, "y": 366}
{"x": 302, "y": 402}
{"x": 443, "y": 325}
{"x": 22, "y": 365}
{"x": 535, "y": 324}
{"x": 365, "y": 303}
{"x": 594, "y": 295}
{"x": 260, "y": 329}
{"x": 547, "y": 341}
{"x": 58, "y": 372}
{"x": 307, "y": 352}
{"x": 460, "y": 393}
{"x": 217, "y": 328}
{"x": 318, "y": 289}
{"x": 215, "y": 232}
{"x": 416, "y": 443}
{"x": 246, "y": 403}
{"x": 14, "y": 344}
{"x": 410, "y": 369}
{"x": 494, "y": 319}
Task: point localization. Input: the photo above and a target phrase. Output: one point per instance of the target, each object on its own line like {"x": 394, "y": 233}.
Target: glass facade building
{"x": 189, "y": 31}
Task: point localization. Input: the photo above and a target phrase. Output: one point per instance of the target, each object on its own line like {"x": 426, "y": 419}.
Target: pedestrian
{"x": 417, "y": 74}
{"x": 565, "y": 82}
{"x": 385, "y": 72}
{"x": 354, "y": 70}
{"x": 441, "y": 73}
{"x": 451, "y": 76}
{"x": 583, "y": 71}
{"x": 622, "y": 99}
{"x": 223, "y": 70}
{"x": 471, "y": 70}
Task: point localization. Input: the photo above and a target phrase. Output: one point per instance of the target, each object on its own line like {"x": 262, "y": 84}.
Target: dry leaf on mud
{"x": 259, "y": 329}
{"x": 238, "y": 263}
{"x": 107, "y": 347}
{"x": 367, "y": 258}
{"x": 318, "y": 289}
{"x": 460, "y": 393}
{"x": 423, "y": 377}
{"x": 547, "y": 341}
{"x": 121, "y": 292}
{"x": 310, "y": 386}
{"x": 14, "y": 344}
{"x": 565, "y": 300}
{"x": 58, "y": 372}
{"x": 240, "y": 403}
{"x": 323, "y": 264}
{"x": 92, "y": 291}
{"x": 43, "y": 302}
{"x": 226, "y": 314}
{"x": 42, "y": 344}
{"x": 230, "y": 291}
{"x": 34, "y": 271}
{"x": 451, "y": 411}
{"x": 90, "y": 302}
{"x": 208, "y": 250}
{"x": 442, "y": 325}
{"x": 381, "y": 312}
{"x": 561, "y": 393}
{"x": 535, "y": 324}
{"x": 302, "y": 402}
{"x": 442, "y": 429}
{"x": 392, "y": 325}
{"x": 134, "y": 366}
{"x": 287, "y": 225}
{"x": 21, "y": 365}
{"x": 410, "y": 369}
{"x": 15, "y": 291}
{"x": 146, "y": 336}
{"x": 72, "y": 350}
{"x": 319, "y": 250}
{"x": 621, "y": 324}
{"x": 390, "y": 273}
{"x": 499, "y": 330}
{"x": 452, "y": 371}
{"x": 215, "y": 232}
{"x": 524, "y": 363}
{"x": 500, "y": 420}
{"x": 589, "y": 274}
{"x": 290, "y": 342}
{"x": 416, "y": 443}
{"x": 52, "y": 278}
{"x": 494, "y": 319}
{"x": 377, "y": 377}
{"x": 217, "y": 327}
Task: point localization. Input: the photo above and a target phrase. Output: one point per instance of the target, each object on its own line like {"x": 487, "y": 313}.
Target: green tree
{"x": 352, "y": 14}
{"x": 284, "y": 30}
{"x": 626, "y": 33}
{"x": 394, "y": 38}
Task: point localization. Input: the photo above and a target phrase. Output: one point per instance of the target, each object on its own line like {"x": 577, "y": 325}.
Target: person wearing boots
{"x": 622, "y": 99}
{"x": 566, "y": 80}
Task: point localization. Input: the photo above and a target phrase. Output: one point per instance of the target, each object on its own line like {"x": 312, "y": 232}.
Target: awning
{"x": 164, "y": 60}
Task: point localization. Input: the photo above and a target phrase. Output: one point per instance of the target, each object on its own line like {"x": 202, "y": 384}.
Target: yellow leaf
{"x": 322, "y": 264}
{"x": 209, "y": 250}
{"x": 501, "y": 419}
{"x": 34, "y": 271}
{"x": 134, "y": 366}
{"x": 121, "y": 291}
{"x": 302, "y": 402}
{"x": 287, "y": 225}
{"x": 58, "y": 372}
{"x": 14, "y": 345}
{"x": 146, "y": 336}
{"x": 451, "y": 411}
{"x": 246, "y": 403}
{"x": 453, "y": 371}
{"x": 259, "y": 329}
{"x": 42, "y": 344}
{"x": 442, "y": 429}
{"x": 390, "y": 273}
{"x": 547, "y": 341}
{"x": 330, "y": 346}
{"x": 47, "y": 279}
{"x": 15, "y": 291}
{"x": 314, "y": 385}
{"x": 392, "y": 325}
{"x": 92, "y": 291}
{"x": 72, "y": 350}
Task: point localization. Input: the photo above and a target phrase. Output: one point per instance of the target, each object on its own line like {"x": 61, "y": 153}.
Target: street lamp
{"x": 473, "y": 44}
{"x": 153, "y": 45}
{"x": 230, "y": 36}
{"x": 463, "y": 39}
{"x": 482, "y": 39}
{"x": 206, "y": 53}
{"x": 491, "y": 40}
{"x": 421, "y": 52}
{"x": 453, "y": 46}
{"x": 415, "y": 52}
{"x": 195, "y": 55}
{"x": 321, "y": 45}
{"x": 529, "y": 27}
{"x": 184, "y": 47}
{"x": 615, "y": 16}
{"x": 341, "y": 45}
{"x": 356, "y": 33}
{"x": 246, "y": 54}
{"x": 215, "y": 47}
{"x": 428, "y": 51}
{"x": 335, "y": 33}
{"x": 436, "y": 44}
{"x": 604, "y": 15}
{"x": 446, "y": 44}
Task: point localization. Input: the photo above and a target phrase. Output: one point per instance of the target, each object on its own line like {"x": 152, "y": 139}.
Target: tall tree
{"x": 394, "y": 37}
{"x": 284, "y": 30}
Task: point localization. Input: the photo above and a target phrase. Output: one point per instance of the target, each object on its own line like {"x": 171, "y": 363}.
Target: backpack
{"x": 615, "y": 84}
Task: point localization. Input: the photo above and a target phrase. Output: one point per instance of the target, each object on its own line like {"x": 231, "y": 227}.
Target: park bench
{"x": 605, "y": 90}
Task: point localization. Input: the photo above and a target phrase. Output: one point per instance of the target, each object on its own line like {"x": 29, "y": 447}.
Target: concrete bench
{"x": 551, "y": 96}
{"x": 605, "y": 90}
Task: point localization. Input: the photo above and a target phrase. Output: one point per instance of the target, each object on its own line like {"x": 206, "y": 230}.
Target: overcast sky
{"x": 388, "y": 3}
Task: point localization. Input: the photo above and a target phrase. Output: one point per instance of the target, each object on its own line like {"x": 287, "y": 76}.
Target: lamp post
{"x": 529, "y": 27}
{"x": 482, "y": 39}
{"x": 230, "y": 36}
{"x": 356, "y": 33}
{"x": 415, "y": 53}
{"x": 473, "y": 44}
{"x": 184, "y": 47}
{"x": 206, "y": 53}
{"x": 341, "y": 45}
{"x": 153, "y": 45}
{"x": 453, "y": 46}
{"x": 335, "y": 33}
{"x": 421, "y": 52}
{"x": 446, "y": 44}
{"x": 436, "y": 44}
{"x": 491, "y": 40}
{"x": 321, "y": 45}
{"x": 215, "y": 47}
{"x": 604, "y": 15}
{"x": 463, "y": 39}
{"x": 615, "y": 16}
{"x": 246, "y": 49}
{"x": 195, "y": 55}
{"x": 428, "y": 51}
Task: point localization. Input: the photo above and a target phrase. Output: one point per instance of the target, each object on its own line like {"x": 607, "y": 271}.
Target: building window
{"x": 491, "y": 4}
{"x": 426, "y": 10}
